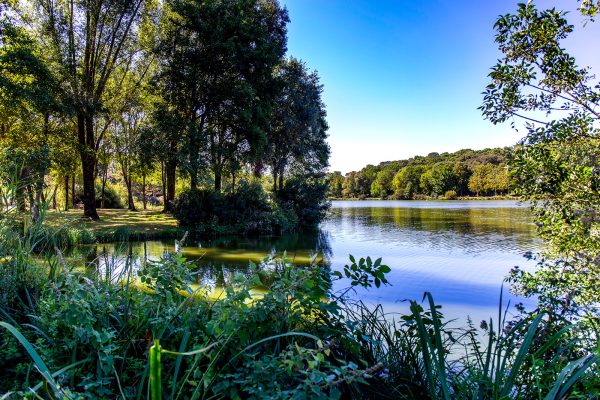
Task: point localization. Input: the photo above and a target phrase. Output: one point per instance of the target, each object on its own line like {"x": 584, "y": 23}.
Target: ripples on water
{"x": 459, "y": 250}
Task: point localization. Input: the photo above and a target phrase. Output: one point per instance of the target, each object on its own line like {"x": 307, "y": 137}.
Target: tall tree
{"x": 217, "y": 59}
{"x": 556, "y": 165}
{"x": 297, "y": 139}
{"x": 85, "y": 42}
{"x": 28, "y": 110}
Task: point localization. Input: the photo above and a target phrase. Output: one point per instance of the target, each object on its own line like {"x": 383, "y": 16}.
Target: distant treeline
{"x": 447, "y": 175}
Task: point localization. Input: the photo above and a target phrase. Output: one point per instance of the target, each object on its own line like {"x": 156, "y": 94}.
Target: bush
{"x": 112, "y": 199}
{"x": 307, "y": 197}
{"x": 197, "y": 207}
{"x": 248, "y": 210}
{"x": 450, "y": 195}
{"x": 298, "y": 340}
{"x": 249, "y": 204}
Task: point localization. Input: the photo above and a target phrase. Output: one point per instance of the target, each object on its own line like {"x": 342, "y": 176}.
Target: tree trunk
{"x": 89, "y": 191}
{"x": 130, "y": 194}
{"x": 67, "y": 193}
{"x": 171, "y": 175}
{"x": 232, "y": 182}
{"x": 73, "y": 191}
{"x": 218, "y": 179}
{"x": 274, "y": 180}
{"x": 163, "y": 181}
{"x": 280, "y": 179}
{"x": 144, "y": 200}
{"x": 85, "y": 127}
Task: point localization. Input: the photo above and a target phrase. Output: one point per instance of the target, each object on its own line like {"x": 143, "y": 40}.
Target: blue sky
{"x": 402, "y": 78}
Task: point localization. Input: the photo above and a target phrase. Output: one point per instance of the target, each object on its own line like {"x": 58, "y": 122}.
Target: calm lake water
{"x": 460, "y": 251}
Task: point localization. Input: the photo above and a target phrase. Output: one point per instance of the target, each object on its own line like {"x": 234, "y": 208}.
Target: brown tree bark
{"x": 144, "y": 199}
{"x": 67, "y": 193}
{"x": 130, "y": 202}
{"x": 73, "y": 191}
{"x": 171, "y": 170}
{"x": 85, "y": 131}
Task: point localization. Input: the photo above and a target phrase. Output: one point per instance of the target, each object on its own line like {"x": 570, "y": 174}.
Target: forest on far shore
{"x": 447, "y": 175}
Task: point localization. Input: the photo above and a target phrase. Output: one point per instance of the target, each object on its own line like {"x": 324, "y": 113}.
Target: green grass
{"x": 119, "y": 224}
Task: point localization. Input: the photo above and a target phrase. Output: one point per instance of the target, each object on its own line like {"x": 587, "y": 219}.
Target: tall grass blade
{"x": 573, "y": 371}
{"x": 39, "y": 363}
{"x": 155, "y": 370}
{"x": 521, "y": 356}
{"x": 184, "y": 341}
{"x": 60, "y": 372}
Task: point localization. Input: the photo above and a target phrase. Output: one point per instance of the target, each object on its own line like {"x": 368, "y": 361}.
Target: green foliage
{"x": 249, "y": 210}
{"x": 306, "y": 196}
{"x": 429, "y": 176}
{"x": 195, "y": 206}
{"x": 555, "y": 168}
{"x": 382, "y": 185}
{"x": 450, "y": 195}
{"x": 297, "y": 139}
{"x": 336, "y": 183}
{"x": 406, "y": 181}
{"x": 365, "y": 273}
{"x": 112, "y": 199}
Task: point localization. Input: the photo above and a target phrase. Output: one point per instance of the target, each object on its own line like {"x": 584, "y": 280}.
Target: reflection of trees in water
{"x": 109, "y": 260}
{"x": 213, "y": 268}
{"x": 317, "y": 242}
{"x": 470, "y": 229}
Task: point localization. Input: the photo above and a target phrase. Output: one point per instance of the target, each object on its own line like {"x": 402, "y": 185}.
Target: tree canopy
{"x": 556, "y": 166}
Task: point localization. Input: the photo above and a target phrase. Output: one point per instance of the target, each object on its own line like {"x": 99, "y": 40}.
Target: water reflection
{"x": 476, "y": 229}
{"x": 459, "y": 251}
{"x": 217, "y": 260}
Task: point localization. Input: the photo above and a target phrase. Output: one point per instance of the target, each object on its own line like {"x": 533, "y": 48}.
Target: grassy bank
{"x": 116, "y": 225}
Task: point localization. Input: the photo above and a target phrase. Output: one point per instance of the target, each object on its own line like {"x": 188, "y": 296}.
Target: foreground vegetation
{"x": 147, "y": 333}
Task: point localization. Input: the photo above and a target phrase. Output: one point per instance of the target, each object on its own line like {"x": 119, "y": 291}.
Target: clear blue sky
{"x": 402, "y": 78}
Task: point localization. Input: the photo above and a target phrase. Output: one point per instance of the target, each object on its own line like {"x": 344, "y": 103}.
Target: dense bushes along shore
{"x": 299, "y": 204}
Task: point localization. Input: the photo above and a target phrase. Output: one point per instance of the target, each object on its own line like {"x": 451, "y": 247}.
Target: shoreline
{"x": 462, "y": 198}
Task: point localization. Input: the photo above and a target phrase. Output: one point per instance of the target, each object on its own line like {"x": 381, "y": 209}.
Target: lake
{"x": 460, "y": 251}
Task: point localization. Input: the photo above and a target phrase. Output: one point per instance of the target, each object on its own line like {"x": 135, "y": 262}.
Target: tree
{"x": 216, "y": 73}
{"x": 555, "y": 167}
{"x": 479, "y": 182}
{"x": 382, "y": 185}
{"x": 28, "y": 110}
{"x": 364, "y": 180}
{"x": 297, "y": 138}
{"x": 406, "y": 181}
{"x": 439, "y": 179}
{"x": 336, "y": 183}
{"x": 85, "y": 42}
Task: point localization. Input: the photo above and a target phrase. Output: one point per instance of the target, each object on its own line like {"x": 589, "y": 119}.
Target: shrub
{"x": 112, "y": 199}
{"x": 197, "y": 206}
{"x": 248, "y": 210}
{"x": 307, "y": 197}
{"x": 450, "y": 195}
{"x": 248, "y": 204}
